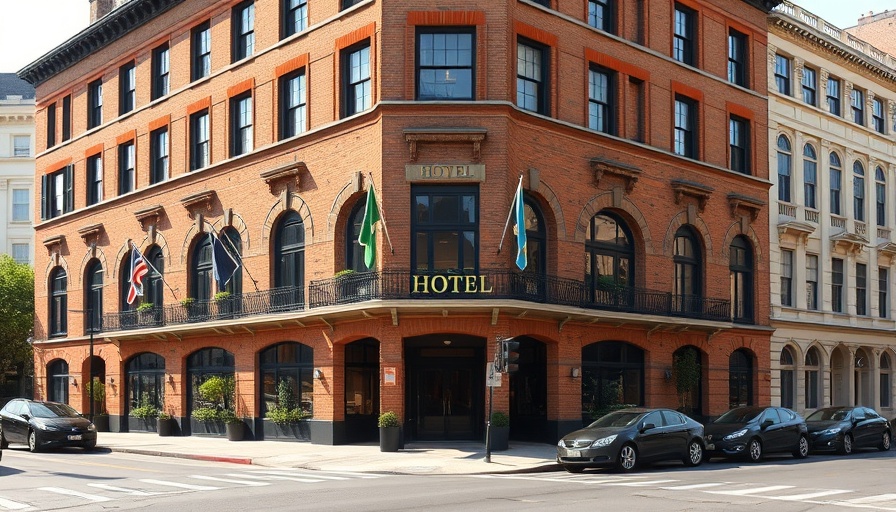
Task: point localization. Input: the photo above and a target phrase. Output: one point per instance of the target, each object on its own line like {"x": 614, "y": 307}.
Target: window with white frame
{"x": 21, "y": 145}
{"x": 880, "y": 187}
{"x": 21, "y": 253}
{"x": 886, "y": 370}
{"x": 810, "y": 86}
{"x": 810, "y": 372}
{"x": 601, "y": 99}
{"x": 787, "y": 384}
{"x": 812, "y": 282}
{"x": 858, "y": 190}
{"x": 861, "y": 289}
{"x": 810, "y": 175}
{"x": 785, "y": 163}
{"x": 21, "y": 205}
{"x": 292, "y": 104}
{"x": 883, "y": 286}
{"x": 836, "y": 172}
{"x": 241, "y": 132}
{"x": 786, "y": 277}
{"x": 837, "y": 285}
{"x": 356, "y": 79}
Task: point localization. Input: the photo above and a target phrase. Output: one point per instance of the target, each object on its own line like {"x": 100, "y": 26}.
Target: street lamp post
{"x": 90, "y": 329}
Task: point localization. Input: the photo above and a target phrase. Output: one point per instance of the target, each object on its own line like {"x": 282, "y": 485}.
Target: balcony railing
{"x": 397, "y": 285}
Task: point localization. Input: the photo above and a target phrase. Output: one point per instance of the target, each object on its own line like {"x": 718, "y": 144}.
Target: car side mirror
{"x": 647, "y": 426}
{"x": 26, "y": 417}
{"x": 767, "y": 423}
{"x": 857, "y": 419}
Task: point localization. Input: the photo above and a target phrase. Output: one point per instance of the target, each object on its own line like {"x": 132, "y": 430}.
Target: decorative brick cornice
{"x": 152, "y": 213}
{"x": 799, "y": 230}
{"x": 751, "y": 204}
{"x": 628, "y": 173}
{"x": 91, "y": 234}
{"x": 54, "y": 241}
{"x": 698, "y": 191}
{"x": 413, "y": 136}
{"x": 198, "y": 200}
{"x": 285, "y": 174}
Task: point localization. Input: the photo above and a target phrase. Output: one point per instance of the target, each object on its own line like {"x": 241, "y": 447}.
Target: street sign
{"x": 492, "y": 378}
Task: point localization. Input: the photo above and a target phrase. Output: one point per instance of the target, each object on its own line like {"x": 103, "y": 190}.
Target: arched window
{"x": 145, "y": 375}
{"x": 93, "y": 317}
{"x": 880, "y": 186}
{"x": 230, "y": 237}
{"x": 535, "y": 237}
{"x": 740, "y": 379}
{"x": 612, "y": 375}
{"x": 886, "y": 369}
{"x": 202, "y": 276}
{"x": 788, "y": 391}
{"x": 287, "y": 373}
{"x": 57, "y": 381}
{"x": 688, "y": 271}
{"x": 58, "y": 302}
{"x": 810, "y": 175}
{"x": 354, "y": 251}
{"x": 609, "y": 259}
{"x": 741, "y": 267}
{"x": 153, "y": 283}
{"x": 289, "y": 254}
{"x": 858, "y": 190}
{"x": 810, "y": 377}
{"x": 785, "y": 163}
{"x": 202, "y": 365}
{"x": 124, "y": 285}
{"x": 862, "y": 375}
{"x": 836, "y": 183}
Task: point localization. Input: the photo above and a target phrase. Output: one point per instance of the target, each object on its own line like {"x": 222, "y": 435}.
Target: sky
{"x": 31, "y": 28}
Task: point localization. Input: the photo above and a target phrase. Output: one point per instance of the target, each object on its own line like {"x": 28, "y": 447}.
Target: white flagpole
{"x": 382, "y": 217}
{"x": 510, "y": 214}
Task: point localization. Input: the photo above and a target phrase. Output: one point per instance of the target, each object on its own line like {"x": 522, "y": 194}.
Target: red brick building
{"x": 639, "y": 132}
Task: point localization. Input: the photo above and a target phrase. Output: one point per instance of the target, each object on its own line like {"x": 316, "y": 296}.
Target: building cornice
{"x": 100, "y": 34}
{"x": 765, "y": 5}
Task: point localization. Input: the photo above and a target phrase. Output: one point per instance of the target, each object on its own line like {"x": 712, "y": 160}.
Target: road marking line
{"x": 132, "y": 492}
{"x": 293, "y": 471}
{"x": 69, "y": 492}
{"x": 872, "y": 499}
{"x": 641, "y": 484}
{"x": 13, "y": 505}
{"x": 279, "y": 477}
{"x": 694, "y": 486}
{"x": 182, "y": 486}
{"x": 308, "y": 475}
{"x": 745, "y": 492}
{"x": 811, "y": 495}
{"x": 243, "y": 482}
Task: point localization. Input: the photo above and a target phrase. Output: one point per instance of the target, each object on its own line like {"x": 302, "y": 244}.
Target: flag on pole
{"x": 367, "y": 236}
{"x": 138, "y": 270}
{"x": 224, "y": 266}
{"x": 522, "y": 258}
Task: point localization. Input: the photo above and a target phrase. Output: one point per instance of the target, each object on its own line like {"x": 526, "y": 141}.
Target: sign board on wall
{"x": 389, "y": 376}
{"x": 492, "y": 378}
{"x": 445, "y": 172}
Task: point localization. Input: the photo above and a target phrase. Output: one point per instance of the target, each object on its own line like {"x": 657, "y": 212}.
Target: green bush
{"x": 145, "y": 306}
{"x": 206, "y": 414}
{"x": 500, "y": 419}
{"x": 216, "y": 400}
{"x": 145, "y": 408}
{"x": 287, "y": 409}
{"x": 388, "y": 419}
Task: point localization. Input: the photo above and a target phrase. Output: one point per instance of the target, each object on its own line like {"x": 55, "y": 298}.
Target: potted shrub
{"x": 390, "y": 432}
{"x": 96, "y": 392}
{"x": 499, "y": 431}
{"x": 214, "y": 397}
{"x": 234, "y": 425}
{"x": 167, "y": 425}
{"x": 146, "y": 413}
{"x": 286, "y": 417}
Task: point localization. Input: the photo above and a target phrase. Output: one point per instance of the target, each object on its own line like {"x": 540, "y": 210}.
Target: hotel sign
{"x": 450, "y": 284}
{"x": 445, "y": 172}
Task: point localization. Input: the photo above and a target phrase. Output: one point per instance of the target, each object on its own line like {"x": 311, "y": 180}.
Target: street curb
{"x": 156, "y": 453}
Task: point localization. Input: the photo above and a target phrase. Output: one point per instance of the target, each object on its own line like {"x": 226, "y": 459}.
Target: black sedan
{"x": 754, "y": 431}
{"x": 624, "y": 439}
{"x": 44, "y": 425}
{"x": 845, "y": 428}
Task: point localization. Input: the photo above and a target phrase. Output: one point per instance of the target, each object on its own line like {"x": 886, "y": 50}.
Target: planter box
{"x": 300, "y": 431}
{"x": 215, "y": 428}
{"x": 101, "y": 422}
{"x": 499, "y": 438}
{"x": 168, "y": 427}
{"x": 235, "y": 431}
{"x": 141, "y": 425}
{"x": 390, "y": 439}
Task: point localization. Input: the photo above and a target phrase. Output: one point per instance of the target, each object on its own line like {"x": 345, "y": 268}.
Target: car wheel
{"x": 802, "y": 448}
{"x": 885, "y": 442}
{"x": 32, "y": 441}
{"x": 89, "y": 445}
{"x": 574, "y": 469}
{"x": 754, "y": 450}
{"x": 845, "y": 447}
{"x": 4, "y": 444}
{"x": 628, "y": 458}
{"x": 695, "y": 454}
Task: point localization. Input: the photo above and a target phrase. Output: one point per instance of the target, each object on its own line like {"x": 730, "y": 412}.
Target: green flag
{"x": 367, "y": 237}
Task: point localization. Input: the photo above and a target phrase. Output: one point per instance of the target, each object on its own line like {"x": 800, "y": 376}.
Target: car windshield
{"x": 740, "y": 415}
{"x": 829, "y": 415}
{"x": 617, "y": 419}
{"x": 52, "y": 411}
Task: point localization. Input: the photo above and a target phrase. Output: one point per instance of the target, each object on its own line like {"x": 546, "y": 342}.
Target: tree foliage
{"x": 16, "y": 314}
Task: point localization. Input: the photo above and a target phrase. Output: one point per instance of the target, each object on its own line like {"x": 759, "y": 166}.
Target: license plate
{"x": 710, "y": 447}
{"x": 573, "y": 453}
{"x": 74, "y": 438}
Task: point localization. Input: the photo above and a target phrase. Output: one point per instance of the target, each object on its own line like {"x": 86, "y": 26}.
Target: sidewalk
{"x": 436, "y": 458}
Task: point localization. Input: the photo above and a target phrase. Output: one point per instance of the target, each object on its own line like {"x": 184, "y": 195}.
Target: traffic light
{"x": 511, "y": 354}
{"x": 499, "y": 358}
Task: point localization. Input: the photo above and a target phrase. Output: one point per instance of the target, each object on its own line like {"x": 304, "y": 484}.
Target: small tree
{"x": 686, "y": 369}
{"x": 287, "y": 409}
{"x": 215, "y": 398}
{"x": 96, "y": 391}
{"x": 17, "y": 314}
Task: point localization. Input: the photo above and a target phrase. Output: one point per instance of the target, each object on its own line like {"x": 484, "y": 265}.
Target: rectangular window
{"x": 737, "y": 58}
{"x": 885, "y": 390}
{"x": 833, "y": 96}
{"x": 51, "y": 125}
{"x": 739, "y": 144}
{"x": 445, "y": 228}
{"x": 858, "y": 198}
{"x": 810, "y": 86}
{"x": 127, "y": 170}
{"x": 243, "y": 19}
{"x": 349, "y": 3}
{"x": 356, "y": 79}
{"x": 811, "y": 384}
{"x": 685, "y": 127}
{"x": 810, "y": 178}
{"x": 295, "y": 16}
{"x": 160, "y": 71}
{"x": 201, "y": 51}
{"x": 21, "y": 205}
{"x": 127, "y": 81}
{"x": 883, "y": 286}
{"x": 57, "y": 193}
{"x": 21, "y": 253}
{"x": 94, "y": 104}
{"x": 292, "y": 104}
{"x": 782, "y": 74}
{"x": 786, "y": 277}
{"x": 94, "y": 179}
{"x": 602, "y": 100}
{"x": 835, "y": 191}
{"x": 880, "y": 189}
{"x": 861, "y": 289}
{"x": 158, "y": 147}
{"x": 600, "y": 14}
{"x": 857, "y": 104}
{"x": 877, "y": 116}
{"x": 66, "y": 118}
{"x": 445, "y": 64}
{"x": 684, "y": 35}
{"x": 811, "y": 281}
{"x": 241, "y": 124}
{"x": 199, "y": 141}
{"x": 531, "y": 77}
{"x": 21, "y": 145}
{"x": 837, "y": 285}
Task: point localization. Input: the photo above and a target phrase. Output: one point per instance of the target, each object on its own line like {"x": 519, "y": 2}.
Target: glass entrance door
{"x": 445, "y": 404}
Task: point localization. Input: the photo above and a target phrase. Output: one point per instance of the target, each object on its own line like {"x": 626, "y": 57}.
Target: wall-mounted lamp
{"x": 667, "y": 374}
{"x": 74, "y": 380}
{"x": 318, "y": 374}
{"x": 447, "y": 342}
{"x": 574, "y": 373}
{"x": 111, "y": 381}
{"x": 170, "y": 379}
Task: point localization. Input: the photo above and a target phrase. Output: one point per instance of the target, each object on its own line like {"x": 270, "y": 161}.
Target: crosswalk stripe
{"x": 281, "y": 477}
{"x": 132, "y": 492}
{"x": 69, "y": 492}
{"x": 230, "y": 481}
{"x": 308, "y": 475}
{"x": 13, "y": 505}
{"x": 178, "y": 484}
{"x": 811, "y": 495}
{"x": 755, "y": 490}
{"x": 641, "y": 484}
{"x": 872, "y": 499}
{"x": 694, "y": 486}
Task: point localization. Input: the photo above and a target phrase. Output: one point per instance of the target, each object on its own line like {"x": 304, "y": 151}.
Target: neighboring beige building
{"x": 16, "y": 168}
{"x": 832, "y": 258}
{"x": 877, "y": 29}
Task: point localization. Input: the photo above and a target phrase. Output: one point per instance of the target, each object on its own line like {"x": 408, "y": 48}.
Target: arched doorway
{"x": 145, "y": 384}
{"x": 529, "y": 392}
{"x": 202, "y": 365}
{"x": 612, "y": 377}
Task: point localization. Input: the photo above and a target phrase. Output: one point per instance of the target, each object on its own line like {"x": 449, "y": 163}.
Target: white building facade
{"x": 16, "y": 168}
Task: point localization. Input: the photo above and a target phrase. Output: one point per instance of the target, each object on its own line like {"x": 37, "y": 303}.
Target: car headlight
{"x": 561, "y": 444}
{"x": 604, "y": 441}
{"x": 41, "y": 425}
{"x": 735, "y": 435}
{"x": 91, "y": 427}
{"x": 835, "y": 430}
